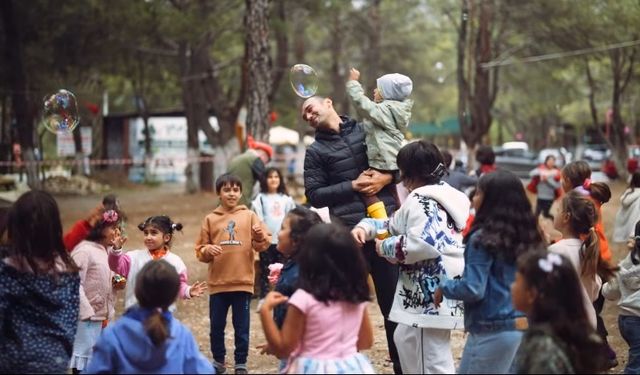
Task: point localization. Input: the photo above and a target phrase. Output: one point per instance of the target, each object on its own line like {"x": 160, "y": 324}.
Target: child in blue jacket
{"x": 148, "y": 339}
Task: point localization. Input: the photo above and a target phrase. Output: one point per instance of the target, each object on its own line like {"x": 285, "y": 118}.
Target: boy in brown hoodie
{"x": 228, "y": 237}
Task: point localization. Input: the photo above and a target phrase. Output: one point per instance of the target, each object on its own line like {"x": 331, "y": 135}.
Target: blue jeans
{"x": 219, "y": 304}
{"x": 490, "y": 353}
{"x": 630, "y": 330}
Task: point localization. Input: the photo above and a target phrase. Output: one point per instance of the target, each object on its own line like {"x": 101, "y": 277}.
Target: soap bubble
{"x": 304, "y": 80}
{"x": 60, "y": 112}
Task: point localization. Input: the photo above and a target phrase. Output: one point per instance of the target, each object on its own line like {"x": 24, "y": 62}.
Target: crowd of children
{"x": 527, "y": 306}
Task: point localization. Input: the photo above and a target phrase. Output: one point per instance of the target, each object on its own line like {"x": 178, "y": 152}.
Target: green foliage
{"x": 129, "y": 47}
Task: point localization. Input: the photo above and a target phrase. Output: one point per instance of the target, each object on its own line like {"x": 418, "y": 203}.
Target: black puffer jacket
{"x": 331, "y": 163}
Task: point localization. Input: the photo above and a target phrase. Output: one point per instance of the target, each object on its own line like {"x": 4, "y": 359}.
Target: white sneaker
{"x": 260, "y": 302}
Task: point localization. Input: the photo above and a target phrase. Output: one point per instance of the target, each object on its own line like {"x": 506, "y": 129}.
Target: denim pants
{"x": 630, "y": 330}
{"x": 219, "y": 304}
{"x": 490, "y": 352}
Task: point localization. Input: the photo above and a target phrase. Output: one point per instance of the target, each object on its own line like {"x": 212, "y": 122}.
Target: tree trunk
{"x": 78, "y": 166}
{"x": 481, "y": 107}
{"x": 463, "y": 87}
{"x": 480, "y": 97}
{"x": 190, "y": 97}
{"x": 259, "y": 68}
{"x": 618, "y": 138}
{"x": 22, "y": 106}
{"x": 338, "y": 76}
{"x": 282, "y": 49}
{"x": 143, "y": 113}
{"x": 373, "y": 51}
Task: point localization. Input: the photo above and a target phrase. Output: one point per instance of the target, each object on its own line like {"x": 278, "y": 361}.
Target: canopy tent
{"x": 279, "y": 135}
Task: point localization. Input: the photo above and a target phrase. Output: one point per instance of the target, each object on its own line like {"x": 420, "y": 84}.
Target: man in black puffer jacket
{"x": 336, "y": 172}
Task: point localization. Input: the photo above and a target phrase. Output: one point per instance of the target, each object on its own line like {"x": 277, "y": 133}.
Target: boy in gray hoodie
{"x": 386, "y": 119}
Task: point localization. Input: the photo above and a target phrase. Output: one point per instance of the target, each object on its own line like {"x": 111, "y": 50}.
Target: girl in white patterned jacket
{"x": 426, "y": 240}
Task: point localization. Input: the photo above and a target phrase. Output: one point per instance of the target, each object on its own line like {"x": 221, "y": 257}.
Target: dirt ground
{"x": 139, "y": 202}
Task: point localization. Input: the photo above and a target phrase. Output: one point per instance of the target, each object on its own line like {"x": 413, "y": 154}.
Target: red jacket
{"x": 78, "y": 232}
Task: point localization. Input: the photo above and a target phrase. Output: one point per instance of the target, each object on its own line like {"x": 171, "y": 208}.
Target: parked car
{"x": 520, "y": 161}
{"x": 594, "y": 154}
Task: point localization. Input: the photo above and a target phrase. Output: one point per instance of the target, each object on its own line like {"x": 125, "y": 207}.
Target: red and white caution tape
{"x": 138, "y": 161}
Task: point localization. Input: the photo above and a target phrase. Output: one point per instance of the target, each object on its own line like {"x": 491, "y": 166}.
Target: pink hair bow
{"x": 110, "y": 216}
{"x": 587, "y": 183}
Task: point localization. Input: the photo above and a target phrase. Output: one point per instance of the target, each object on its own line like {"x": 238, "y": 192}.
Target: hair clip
{"x": 587, "y": 183}
{"x": 173, "y": 226}
{"x": 110, "y": 216}
{"x": 439, "y": 171}
{"x": 546, "y": 264}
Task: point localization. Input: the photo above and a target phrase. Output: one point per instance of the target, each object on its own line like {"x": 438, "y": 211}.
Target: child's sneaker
{"x": 241, "y": 369}
{"x": 219, "y": 367}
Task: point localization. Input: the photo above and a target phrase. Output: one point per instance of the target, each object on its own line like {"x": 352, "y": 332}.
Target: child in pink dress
{"x": 327, "y": 323}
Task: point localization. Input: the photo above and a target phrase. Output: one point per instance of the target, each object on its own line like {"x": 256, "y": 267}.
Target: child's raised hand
{"x": 197, "y": 289}
{"x": 359, "y": 235}
{"x": 118, "y": 240}
{"x": 257, "y": 233}
{"x": 272, "y": 300}
{"x": 354, "y": 74}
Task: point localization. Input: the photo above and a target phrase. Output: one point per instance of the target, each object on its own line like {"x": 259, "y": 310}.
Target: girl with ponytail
{"x": 148, "y": 339}
{"x": 576, "y": 176}
{"x": 580, "y": 244}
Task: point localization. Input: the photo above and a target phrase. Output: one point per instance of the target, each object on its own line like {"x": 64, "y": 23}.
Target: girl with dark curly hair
{"x": 327, "y": 323}
{"x": 504, "y": 228}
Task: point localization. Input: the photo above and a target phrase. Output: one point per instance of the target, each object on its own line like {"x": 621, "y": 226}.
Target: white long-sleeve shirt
{"x": 570, "y": 248}
{"x": 625, "y": 288}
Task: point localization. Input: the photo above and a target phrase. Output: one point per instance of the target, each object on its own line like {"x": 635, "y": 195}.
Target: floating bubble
{"x": 304, "y": 80}
{"x": 60, "y": 112}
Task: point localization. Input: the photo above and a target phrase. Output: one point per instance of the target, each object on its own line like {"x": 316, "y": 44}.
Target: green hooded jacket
{"x": 384, "y": 123}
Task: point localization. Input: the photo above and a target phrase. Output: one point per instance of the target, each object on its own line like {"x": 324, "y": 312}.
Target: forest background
{"x": 506, "y": 69}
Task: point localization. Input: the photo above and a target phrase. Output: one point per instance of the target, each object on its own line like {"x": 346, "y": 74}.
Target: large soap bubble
{"x": 60, "y": 112}
{"x": 304, "y": 80}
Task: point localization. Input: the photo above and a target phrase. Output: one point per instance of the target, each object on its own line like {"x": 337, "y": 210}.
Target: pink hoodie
{"x": 96, "y": 291}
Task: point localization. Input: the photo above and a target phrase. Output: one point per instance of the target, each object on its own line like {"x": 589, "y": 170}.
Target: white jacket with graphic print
{"x": 426, "y": 240}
